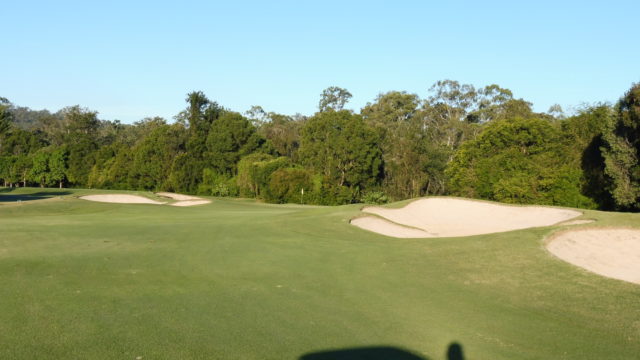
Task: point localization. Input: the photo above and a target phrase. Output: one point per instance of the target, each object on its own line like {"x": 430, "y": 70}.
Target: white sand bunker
{"x": 179, "y": 197}
{"x": 613, "y": 253}
{"x": 184, "y": 200}
{"x": 121, "y": 199}
{"x": 388, "y": 228}
{"x": 449, "y": 217}
{"x": 190, "y": 202}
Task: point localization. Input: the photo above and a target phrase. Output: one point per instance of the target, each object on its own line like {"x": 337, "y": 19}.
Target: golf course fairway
{"x": 239, "y": 279}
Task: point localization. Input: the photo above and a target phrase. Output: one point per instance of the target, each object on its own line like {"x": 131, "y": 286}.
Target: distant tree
{"x": 341, "y": 147}
{"x": 257, "y": 115}
{"x": 283, "y": 133}
{"x": 622, "y": 151}
{"x": 456, "y": 99}
{"x": 556, "y": 111}
{"x": 6, "y": 166}
{"x": 153, "y": 157}
{"x": 5, "y": 120}
{"x": 231, "y": 137}
{"x": 333, "y": 98}
{"x": 39, "y": 171}
{"x": 403, "y": 143}
{"x": 516, "y": 161}
{"x": 582, "y": 141}
{"x": 20, "y": 169}
{"x": 58, "y": 167}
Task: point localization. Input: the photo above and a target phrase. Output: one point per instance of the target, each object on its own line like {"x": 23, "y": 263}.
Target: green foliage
{"x": 5, "y": 118}
{"x": 216, "y": 184}
{"x": 58, "y": 166}
{"x": 458, "y": 140}
{"x": 283, "y": 133}
{"x": 254, "y": 172}
{"x": 231, "y": 137}
{"x": 516, "y": 161}
{"x": 286, "y": 185}
{"x": 153, "y": 156}
{"x": 375, "y": 197}
{"x": 186, "y": 174}
{"x": 622, "y": 151}
{"x": 414, "y": 160}
{"x": 333, "y": 98}
{"x": 39, "y": 171}
{"x": 582, "y": 142}
{"x": 339, "y": 145}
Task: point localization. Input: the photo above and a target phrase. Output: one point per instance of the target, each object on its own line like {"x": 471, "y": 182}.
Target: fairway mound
{"x": 120, "y": 199}
{"x": 385, "y": 227}
{"x": 451, "y": 217}
{"x": 614, "y": 253}
{"x": 191, "y": 202}
{"x": 178, "y": 197}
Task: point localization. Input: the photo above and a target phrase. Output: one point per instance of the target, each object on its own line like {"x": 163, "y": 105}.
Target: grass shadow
{"x": 454, "y": 352}
{"x": 4, "y": 197}
{"x": 364, "y": 353}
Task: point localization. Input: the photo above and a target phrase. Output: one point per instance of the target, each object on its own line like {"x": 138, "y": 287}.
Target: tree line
{"x": 458, "y": 140}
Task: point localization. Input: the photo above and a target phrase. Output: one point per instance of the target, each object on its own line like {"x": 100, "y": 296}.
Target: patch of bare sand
{"x": 120, "y": 199}
{"x": 451, "y": 217}
{"x": 613, "y": 253}
{"x": 385, "y": 227}
{"x": 179, "y": 197}
{"x": 190, "y": 202}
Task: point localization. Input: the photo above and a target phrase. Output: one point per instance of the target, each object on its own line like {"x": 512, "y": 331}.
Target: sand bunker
{"x": 184, "y": 200}
{"x": 121, "y": 199}
{"x": 449, "y": 217}
{"x": 190, "y": 202}
{"x": 388, "y": 228}
{"x": 179, "y": 197}
{"x": 613, "y": 253}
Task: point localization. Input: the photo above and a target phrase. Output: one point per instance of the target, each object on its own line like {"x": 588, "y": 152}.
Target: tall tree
{"x": 58, "y": 166}
{"x": 333, "y": 98}
{"x": 622, "y": 151}
{"x": 341, "y": 147}
{"x": 231, "y": 137}
{"x": 5, "y": 120}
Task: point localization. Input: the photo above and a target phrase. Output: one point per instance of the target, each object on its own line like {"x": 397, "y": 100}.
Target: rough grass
{"x": 238, "y": 279}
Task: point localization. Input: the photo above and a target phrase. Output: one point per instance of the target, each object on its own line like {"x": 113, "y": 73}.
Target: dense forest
{"x": 458, "y": 140}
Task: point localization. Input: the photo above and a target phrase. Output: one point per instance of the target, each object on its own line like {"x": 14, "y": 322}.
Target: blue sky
{"x": 132, "y": 59}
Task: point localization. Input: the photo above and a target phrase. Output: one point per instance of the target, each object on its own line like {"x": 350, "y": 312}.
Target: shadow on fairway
{"x": 5, "y": 196}
{"x": 379, "y": 353}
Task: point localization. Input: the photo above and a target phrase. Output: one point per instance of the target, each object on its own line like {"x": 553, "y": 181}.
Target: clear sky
{"x": 132, "y": 59}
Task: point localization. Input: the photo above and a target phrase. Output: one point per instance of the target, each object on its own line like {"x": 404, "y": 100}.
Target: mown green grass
{"x": 237, "y": 279}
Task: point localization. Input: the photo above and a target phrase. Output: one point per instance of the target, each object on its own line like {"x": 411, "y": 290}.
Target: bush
{"x": 374, "y": 197}
{"x": 286, "y": 185}
{"x": 215, "y": 184}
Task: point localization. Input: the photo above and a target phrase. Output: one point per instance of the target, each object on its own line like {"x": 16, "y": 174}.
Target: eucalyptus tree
{"x": 333, "y": 98}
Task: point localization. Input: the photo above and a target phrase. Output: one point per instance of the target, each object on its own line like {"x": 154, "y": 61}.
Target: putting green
{"x": 237, "y": 279}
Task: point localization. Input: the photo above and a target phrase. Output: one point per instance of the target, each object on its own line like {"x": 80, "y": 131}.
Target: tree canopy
{"x": 458, "y": 139}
